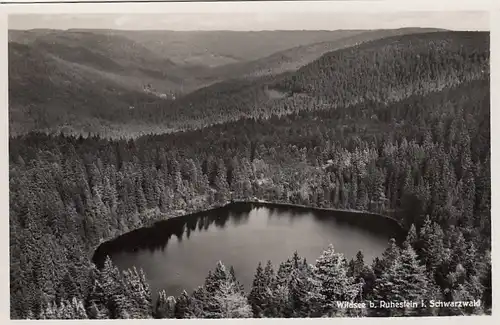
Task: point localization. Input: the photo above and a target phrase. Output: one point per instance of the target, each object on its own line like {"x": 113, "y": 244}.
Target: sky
{"x": 254, "y": 21}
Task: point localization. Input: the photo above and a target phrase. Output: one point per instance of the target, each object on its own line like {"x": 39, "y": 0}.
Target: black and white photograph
{"x": 260, "y": 164}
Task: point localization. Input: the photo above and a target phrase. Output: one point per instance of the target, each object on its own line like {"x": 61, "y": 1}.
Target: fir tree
{"x": 331, "y": 271}
{"x": 224, "y": 297}
{"x": 305, "y": 293}
{"x": 165, "y": 306}
{"x": 411, "y": 238}
{"x": 182, "y": 303}
{"x": 404, "y": 280}
{"x": 356, "y": 266}
{"x": 231, "y": 302}
{"x": 258, "y": 297}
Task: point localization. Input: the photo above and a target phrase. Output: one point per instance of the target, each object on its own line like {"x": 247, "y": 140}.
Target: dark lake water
{"x": 176, "y": 254}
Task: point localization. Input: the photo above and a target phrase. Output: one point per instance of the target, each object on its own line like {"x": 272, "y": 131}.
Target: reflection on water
{"x": 177, "y": 254}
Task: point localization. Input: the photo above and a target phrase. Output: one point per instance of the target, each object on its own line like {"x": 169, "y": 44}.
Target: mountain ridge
{"x": 270, "y": 64}
{"x": 309, "y": 87}
{"x": 450, "y": 58}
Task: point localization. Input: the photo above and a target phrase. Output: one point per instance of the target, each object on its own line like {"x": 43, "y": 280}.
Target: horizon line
{"x": 435, "y": 29}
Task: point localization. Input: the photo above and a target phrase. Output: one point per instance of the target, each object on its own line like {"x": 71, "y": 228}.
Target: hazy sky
{"x": 254, "y": 21}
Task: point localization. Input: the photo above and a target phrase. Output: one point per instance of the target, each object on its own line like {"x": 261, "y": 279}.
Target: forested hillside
{"x": 84, "y": 82}
{"x": 79, "y": 85}
{"x": 296, "y": 57}
{"x": 219, "y": 48}
{"x": 381, "y": 71}
{"x": 93, "y": 81}
{"x": 419, "y": 149}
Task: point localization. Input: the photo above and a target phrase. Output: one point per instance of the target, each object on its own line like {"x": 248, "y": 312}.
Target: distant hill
{"x": 393, "y": 68}
{"x": 296, "y": 57}
{"x": 218, "y": 48}
{"x": 80, "y": 79}
{"x": 168, "y": 62}
{"x": 113, "y": 57}
{"x": 385, "y": 70}
{"x": 46, "y": 90}
{"x": 78, "y": 83}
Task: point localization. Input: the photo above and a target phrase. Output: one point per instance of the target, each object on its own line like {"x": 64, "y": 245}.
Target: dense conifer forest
{"x": 407, "y": 137}
{"x": 381, "y": 71}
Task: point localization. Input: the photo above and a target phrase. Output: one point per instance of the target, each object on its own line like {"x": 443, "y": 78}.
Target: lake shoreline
{"x": 308, "y": 207}
{"x": 239, "y": 231}
{"x": 254, "y": 202}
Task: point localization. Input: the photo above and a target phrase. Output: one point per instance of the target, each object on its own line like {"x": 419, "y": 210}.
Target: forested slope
{"x": 427, "y": 155}
{"x": 218, "y": 48}
{"x": 296, "y": 57}
{"x": 55, "y": 85}
{"x": 81, "y": 81}
{"x": 384, "y": 71}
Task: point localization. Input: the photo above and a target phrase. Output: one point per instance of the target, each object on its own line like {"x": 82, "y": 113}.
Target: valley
{"x": 98, "y": 81}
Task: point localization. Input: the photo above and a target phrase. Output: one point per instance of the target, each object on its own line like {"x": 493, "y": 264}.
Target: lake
{"x": 177, "y": 253}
